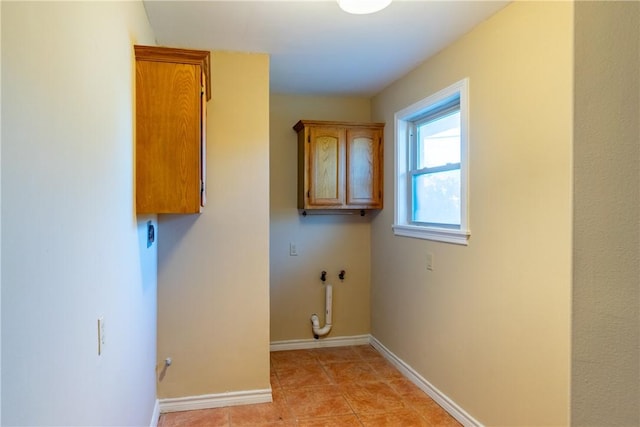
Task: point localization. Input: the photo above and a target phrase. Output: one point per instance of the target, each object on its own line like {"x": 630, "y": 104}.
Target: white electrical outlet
{"x": 430, "y": 261}
{"x": 293, "y": 249}
{"x": 101, "y": 335}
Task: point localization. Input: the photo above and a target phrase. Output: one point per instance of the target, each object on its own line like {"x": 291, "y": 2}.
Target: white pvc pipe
{"x": 315, "y": 321}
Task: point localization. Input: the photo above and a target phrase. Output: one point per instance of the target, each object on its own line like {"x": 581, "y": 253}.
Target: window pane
{"x": 437, "y": 198}
{"x": 439, "y": 141}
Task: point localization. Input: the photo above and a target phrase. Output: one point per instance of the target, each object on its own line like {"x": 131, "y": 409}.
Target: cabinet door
{"x": 326, "y": 167}
{"x": 364, "y": 163}
{"x": 168, "y": 137}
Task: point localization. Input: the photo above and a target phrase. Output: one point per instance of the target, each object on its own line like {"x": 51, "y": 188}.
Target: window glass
{"x": 439, "y": 141}
{"x": 436, "y": 175}
{"x": 437, "y": 198}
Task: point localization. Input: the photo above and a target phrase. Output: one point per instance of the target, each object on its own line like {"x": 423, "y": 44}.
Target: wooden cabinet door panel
{"x": 363, "y": 168}
{"x": 326, "y": 169}
{"x": 168, "y": 106}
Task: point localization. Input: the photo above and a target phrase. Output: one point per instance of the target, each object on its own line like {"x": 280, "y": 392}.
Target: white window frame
{"x": 403, "y": 121}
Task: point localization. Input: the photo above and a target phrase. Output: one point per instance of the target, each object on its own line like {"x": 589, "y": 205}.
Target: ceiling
{"x": 315, "y": 47}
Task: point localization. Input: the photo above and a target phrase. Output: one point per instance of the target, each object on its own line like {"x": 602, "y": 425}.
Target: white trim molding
{"x": 208, "y": 401}
{"x": 403, "y": 119}
{"x": 441, "y": 399}
{"x": 155, "y": 415}
{"x": 458, "y": 237}
{"x": 320, "y": 343}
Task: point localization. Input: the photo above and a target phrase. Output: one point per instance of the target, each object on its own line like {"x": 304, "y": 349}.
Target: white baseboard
{"x": 219, "y": 400}
{"x": 320, "y": 343}
{"x": 449, "y": 405}
{"x": 155, "y": 416}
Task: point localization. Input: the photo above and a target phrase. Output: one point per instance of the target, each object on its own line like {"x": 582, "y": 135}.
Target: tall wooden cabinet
{"x": 339, "y": 165}
{"x": 172, "y": 89}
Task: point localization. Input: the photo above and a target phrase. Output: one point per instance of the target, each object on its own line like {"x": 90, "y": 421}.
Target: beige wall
{"x": 72, "y": 248}
{"x": 213, "y": 274}
{"x": 490, "y": 326}
{"x": 330, "y": 243}
{"x": 606, "y": 317}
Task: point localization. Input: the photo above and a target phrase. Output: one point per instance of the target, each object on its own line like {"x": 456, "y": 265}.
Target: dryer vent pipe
{"x": 315, "y": 321}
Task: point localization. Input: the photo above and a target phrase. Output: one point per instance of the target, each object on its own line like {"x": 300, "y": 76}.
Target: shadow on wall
{"x": 167, "y": 242}
{"x": 328, "y": 218}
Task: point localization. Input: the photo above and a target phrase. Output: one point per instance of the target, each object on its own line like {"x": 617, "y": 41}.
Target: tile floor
{"x": 331, "y": 387}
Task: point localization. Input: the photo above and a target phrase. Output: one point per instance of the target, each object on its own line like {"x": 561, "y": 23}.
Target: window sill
{"x": 458, "y": 237}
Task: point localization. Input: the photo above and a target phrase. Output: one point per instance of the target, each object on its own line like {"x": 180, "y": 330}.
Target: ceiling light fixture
{"x": 362, "y": 7}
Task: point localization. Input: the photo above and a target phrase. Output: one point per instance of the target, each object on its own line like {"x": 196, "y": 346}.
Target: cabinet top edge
{"x": 302, "y": 123}
{"x": 161, "y": 53}
{"x": 177, "y": 55}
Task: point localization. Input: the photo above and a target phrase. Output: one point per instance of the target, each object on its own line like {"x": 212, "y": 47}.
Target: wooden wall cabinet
{"x": 339, "y": 165}
{"x": 172, "y": 90}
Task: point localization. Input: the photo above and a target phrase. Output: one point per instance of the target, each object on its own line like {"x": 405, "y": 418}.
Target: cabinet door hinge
{"x": 308, "y": 193}
{"x": 309, "y": 138}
